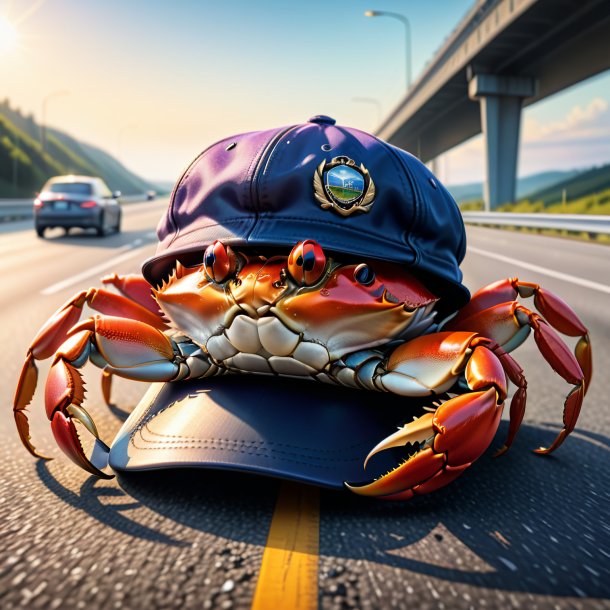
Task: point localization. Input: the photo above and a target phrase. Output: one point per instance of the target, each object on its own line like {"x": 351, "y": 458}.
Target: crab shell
{"x": 292, "y": 315}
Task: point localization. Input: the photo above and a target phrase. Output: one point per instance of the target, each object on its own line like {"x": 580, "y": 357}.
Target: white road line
{"x": 550, "y": 272}
{"x": 131, "y": 252}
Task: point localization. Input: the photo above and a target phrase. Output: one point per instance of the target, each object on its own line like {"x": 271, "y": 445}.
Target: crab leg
{"x": 53, "y": 333}
{"x": 459, "y": 431}
{"x": 557, "y": 354}
{"x": 510, "y": 322}
{"x": 476, "y": 316}
{"x": 517, "y": 404}
{"x": 134, "y": 287}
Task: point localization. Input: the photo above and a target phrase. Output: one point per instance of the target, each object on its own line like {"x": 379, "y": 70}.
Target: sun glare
{"x": 8, "y": 35}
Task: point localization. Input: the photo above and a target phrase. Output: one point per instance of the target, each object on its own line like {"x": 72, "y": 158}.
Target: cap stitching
{"x": 243, "y": 441}
{"x": 184, "y": 176}
{"x": 275, "y": 152}
{"x": 275, "y": 149}
{"x": 247, "y": 184}
{"x": 263, "y": 455}
{"x": 253, "y": 184}
{"x": 147, "y": 416}
{"x": 270, "y": 457}
{"x": 220, "y": 444}
{"x": 417, "y": 208}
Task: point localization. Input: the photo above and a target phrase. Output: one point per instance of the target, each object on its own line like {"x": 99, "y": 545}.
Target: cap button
{"x": 322, "y": 119}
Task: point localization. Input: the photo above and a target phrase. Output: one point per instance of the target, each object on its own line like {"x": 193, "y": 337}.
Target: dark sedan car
{"x": 77, "y": 201}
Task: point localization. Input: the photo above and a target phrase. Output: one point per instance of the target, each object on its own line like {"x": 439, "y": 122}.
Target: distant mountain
{"x": 530, "y": 184}
{"x": 163, "y": 186}
{"x": 466, "y": 192}
{"x": 20, "y": 150}
{"x": 526, "y": 186}
{"x": 581, "y": 185}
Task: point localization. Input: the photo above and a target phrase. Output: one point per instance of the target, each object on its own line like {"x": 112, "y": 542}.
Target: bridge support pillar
{"x": 501, "y": 99}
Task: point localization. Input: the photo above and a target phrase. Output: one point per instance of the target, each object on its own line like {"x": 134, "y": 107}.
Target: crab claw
{"x": 67, "y": 438}
{"x": 462, "y": 428}
{"x": 447, "y": 441}
{"x": 418, "y": 431}
{"x": 64, "y": 394}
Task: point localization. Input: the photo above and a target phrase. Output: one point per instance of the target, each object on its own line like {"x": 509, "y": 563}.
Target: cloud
{"x": 579, "y": 122}
{"x": 464, "y": 163}
{"x": 581, "y": 138}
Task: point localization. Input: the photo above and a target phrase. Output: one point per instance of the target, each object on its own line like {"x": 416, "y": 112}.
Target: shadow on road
{"x": 89, "y": 499}
{"x": 118, "y": 412}
{"x": 519, "y": 523}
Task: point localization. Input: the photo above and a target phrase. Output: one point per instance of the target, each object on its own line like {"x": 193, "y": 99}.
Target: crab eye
{"x": 364, "y": 275}
{"x": 219, "y": 262}
{"x": 306, "y": 262}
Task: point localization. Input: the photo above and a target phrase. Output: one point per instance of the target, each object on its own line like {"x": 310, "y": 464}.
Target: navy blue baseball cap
{"x": 258, "y": 190}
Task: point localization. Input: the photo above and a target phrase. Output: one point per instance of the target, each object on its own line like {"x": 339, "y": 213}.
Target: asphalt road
{"x": 516, "y": 532}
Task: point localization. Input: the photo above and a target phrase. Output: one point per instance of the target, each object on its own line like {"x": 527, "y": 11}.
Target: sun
{"x": 8, "y": 35}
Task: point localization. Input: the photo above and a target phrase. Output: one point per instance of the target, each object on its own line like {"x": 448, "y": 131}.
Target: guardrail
{"x": 20, "y": 209}
{"x": 580, "y": 223}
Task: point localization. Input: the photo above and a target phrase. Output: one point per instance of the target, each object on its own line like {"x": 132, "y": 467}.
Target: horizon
{"x": 218, "y": 77}
{"x": 580, "y": 170}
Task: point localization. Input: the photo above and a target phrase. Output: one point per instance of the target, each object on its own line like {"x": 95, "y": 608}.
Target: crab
{"x": 366, "y": 324}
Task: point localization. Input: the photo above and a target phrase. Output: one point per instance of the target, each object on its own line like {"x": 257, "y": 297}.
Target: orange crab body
{"x": 365, "y": 324}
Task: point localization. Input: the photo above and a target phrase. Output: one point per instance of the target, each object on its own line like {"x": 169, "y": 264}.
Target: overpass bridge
{"x": 504, "y": 54}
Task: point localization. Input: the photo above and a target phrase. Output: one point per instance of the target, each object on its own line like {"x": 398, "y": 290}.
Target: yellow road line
{"x": 288, "y": 578}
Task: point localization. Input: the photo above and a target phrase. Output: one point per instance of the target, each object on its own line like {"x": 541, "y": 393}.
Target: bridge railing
{"x": 580, "y": 223}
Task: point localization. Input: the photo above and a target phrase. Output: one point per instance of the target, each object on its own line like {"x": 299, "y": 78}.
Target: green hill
{"x": 587, "y": 193}
{"x": 24, "y": 168}
{"x": 592, "y": 181}
{"x": 526, "y": 186}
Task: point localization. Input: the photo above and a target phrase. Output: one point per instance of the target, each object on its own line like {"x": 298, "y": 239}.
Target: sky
{"x": 338, "y": 175}
{"x": 154, "y": 83}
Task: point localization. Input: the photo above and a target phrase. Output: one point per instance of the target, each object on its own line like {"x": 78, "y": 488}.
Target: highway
{"x": 520, "y": 531}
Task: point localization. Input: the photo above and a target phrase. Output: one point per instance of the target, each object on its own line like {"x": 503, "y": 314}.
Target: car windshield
{"x": 74, "y": 188}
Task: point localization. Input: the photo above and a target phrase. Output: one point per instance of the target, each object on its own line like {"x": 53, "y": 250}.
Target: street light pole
{"x": 43, "y": 123}
{"x": 407, "y": 24}
{"x": 15, "y": 145}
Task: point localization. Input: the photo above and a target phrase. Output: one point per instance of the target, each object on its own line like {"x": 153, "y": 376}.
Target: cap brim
{"x": 288, "y": 428}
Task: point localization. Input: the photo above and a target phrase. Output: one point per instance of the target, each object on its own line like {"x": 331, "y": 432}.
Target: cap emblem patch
{"x": 343, "y": 186}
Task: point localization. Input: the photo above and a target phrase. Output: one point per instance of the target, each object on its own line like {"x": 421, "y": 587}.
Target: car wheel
{"x": 40, "y": 231}
{"x": 117, "y": 227}
{"x": 100, "y": 230}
